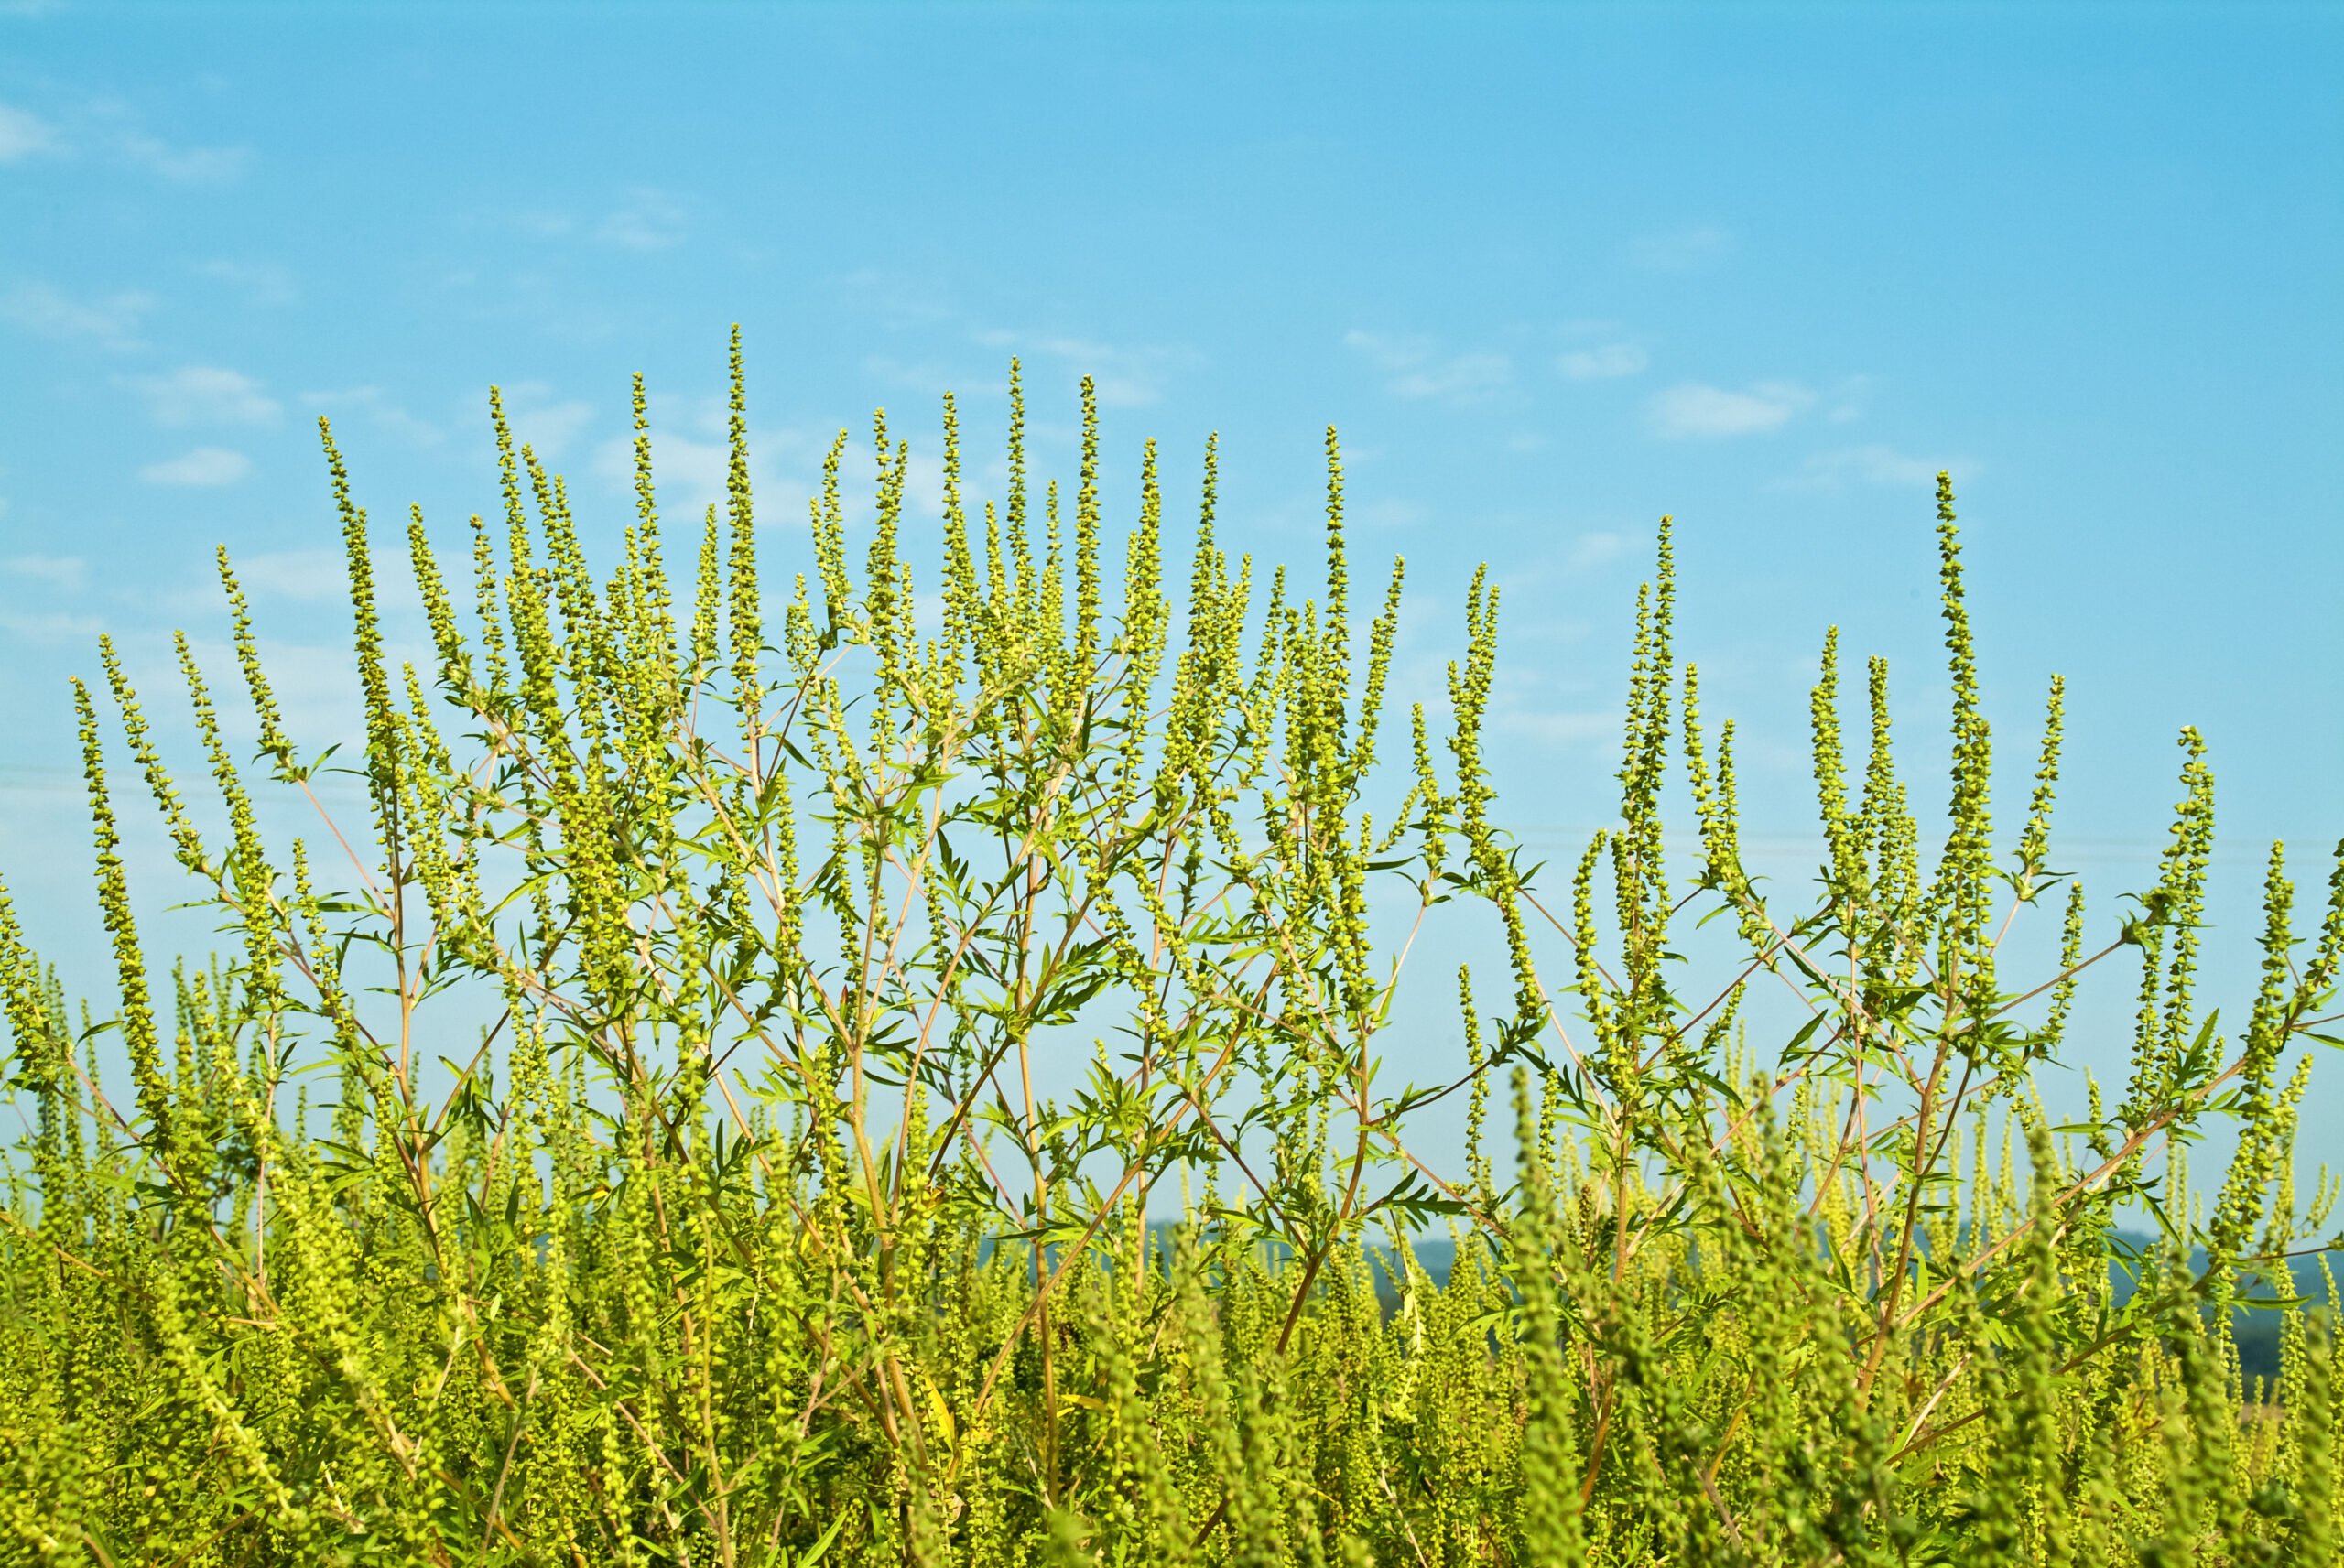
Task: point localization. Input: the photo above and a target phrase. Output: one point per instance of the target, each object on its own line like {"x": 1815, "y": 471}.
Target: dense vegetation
{"x": 855, "y": 989}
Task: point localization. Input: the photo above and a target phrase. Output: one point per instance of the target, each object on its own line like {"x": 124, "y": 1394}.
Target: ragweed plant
{"x": 865, "y": 967}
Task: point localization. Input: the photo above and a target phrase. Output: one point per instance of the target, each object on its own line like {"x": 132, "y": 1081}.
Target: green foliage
{"x": 751, "y": 1229}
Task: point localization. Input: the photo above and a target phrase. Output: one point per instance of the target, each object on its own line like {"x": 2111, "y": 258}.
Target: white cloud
{"x": 545, "y": 427}
{"x": 53, "y": 627}
{"x": 1604, "y": 363}
{"x": 1560, "y": 727}
{"x": 691, "y": 461}
{"x": 59, "y": 571}
{"x": 24, "y": 135}
{"x": 1692, "y": 409}
{"x": 1390, "y": 513}
{"x": 1126, "y": 378}
{"x": 897, "y": 301}
{"x": 680, "y": 465}
{"x": 926, "y": 377}
{"x": 308, "y": 575}
{"x": 1419, "y": 370}
{"x": 1594, "y": 549}
{"x": 1466, "y": 377}
{"x": 1848, "y": 400}
{"x": 183, "y": 165}
{"x": 264, "y": 283}
{"x": 1393, "y": 350}
{"x": 925, "y": 482}
{"x": 111, "y": 125}
{"x": 377, "y": 408}
{"x": 645, "y": 218}
{"x": 1122, "y": 380}
{"x": 111, "y": 322}
{"x": 204, "y": 466}
{"x": 1682, "y": 250}
{"x": 1124, "y": 375}
{"x": 650, "y": 220}
{"x": 1871, "y": 464}
{"x": 111, "y": 130}
{"x": 206, "y": 395}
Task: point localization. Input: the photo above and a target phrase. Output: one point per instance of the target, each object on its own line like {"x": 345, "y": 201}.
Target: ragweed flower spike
{"x": 2035, "y": 842}
{"x": 1962, "y": 894}
{"x": 373, "y": 680}
{"x": 272, "y": 734}
{"x": 136, "y": 1018}
{"x": 744, "y": 624}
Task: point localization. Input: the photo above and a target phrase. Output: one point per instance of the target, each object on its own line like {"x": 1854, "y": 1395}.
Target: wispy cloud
{"x": 181, "y": 165}
{"x": 374, "y": 406}
{"x": 24, "y": 135}
{"x": 307, "y": 576}
{"x": 692, "y": 473}
{"x": 1464, "y": 378}
{"x": 63, "y": 572}
{"x": 1848, "y": 400}
{"x": 649, "y": 221}
{"x": 1682, "y": 250}
{"x": 1873, "y": 464}
{"x": 545, "y": 425}
{"x": 1603, "y": 362}
{"x": 111, "y": 321}
{"x": 1418, "y": 369}
{"x": 304, "y": 577}
{"x": 264, "y": 283}
{"x": 1692, "y": 410}
{"x": 1391, "y": 512}
{"x": 53, "y": 627}
{"x": 111, "y": 128}
{"x": 1557, "y": 728}
{"x": 1125, "y": 377}
{"x": 112, "y": 131}
{"x": 206, "y": 395}
{"x": 928, "y": 378}
{"x": 695, "y": 470}
{"x": 203, "y": 467}
{"x": 1595, "y": 549}
{"x": 897, "y": 300}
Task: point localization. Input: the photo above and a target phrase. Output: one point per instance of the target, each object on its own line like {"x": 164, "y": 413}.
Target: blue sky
{"x": 1554, "y": 270}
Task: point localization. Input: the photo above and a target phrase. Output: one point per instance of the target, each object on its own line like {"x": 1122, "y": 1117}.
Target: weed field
{"x": 867, "y": 959}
